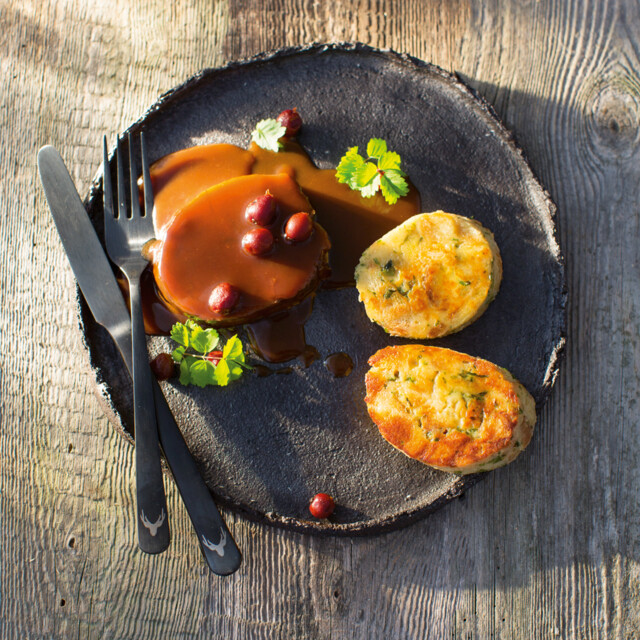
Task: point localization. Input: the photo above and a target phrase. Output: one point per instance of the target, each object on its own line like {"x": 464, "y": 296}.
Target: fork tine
{"x": 107, "y": 191}
{"x": 133, "y": 182}
{"x": 122, "y": 199}
{"x": 146, "y": 177}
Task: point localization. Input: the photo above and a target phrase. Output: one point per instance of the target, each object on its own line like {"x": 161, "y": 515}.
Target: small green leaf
{"x": 213, "y": 338}
{"x": 369, "y": 177}
{"x": 195, "y": 367}
{"x": 180, "y": 334}
{"x": 222, "y": 373}
{"x": 397, "y": 179}
{"x": 371, "y": 189}
{"x": 389, "y": 194}
{"x": 185, "y": 376}
{"x": 267, "y": 134}
{"x": 348, "y": 165}
{"x": 204, "y": 340}
{"x": 196, "y": 338}
{"x": 390, "y": 160}
{"x": 376, "y": 148}
{"x": 235, "y": 370}
{"x": 233, "y": 349}
{"x": 393, "y": 186}
{"x": 365, "y": 174}
{"x": 353, "y": 155}
{"x": 178, "y": 354}
{"x": 202, "y": 373}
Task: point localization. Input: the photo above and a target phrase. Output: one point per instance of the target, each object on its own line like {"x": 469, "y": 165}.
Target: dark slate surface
{"x": 266, "y": 445}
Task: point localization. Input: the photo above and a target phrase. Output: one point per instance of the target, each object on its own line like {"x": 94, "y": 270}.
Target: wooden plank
{"x": 547, "y": 547}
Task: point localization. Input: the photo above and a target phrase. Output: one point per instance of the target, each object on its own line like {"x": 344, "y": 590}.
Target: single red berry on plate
{"x": 163, "y": 366}
{"x": 223, "y": 298}
{"x": 322, "y": 506}
{"x": 290, "y": 118}
{"x": 262, "y": 210}
{"x": 214, "y": 357}
{"x": 258, "y": 241}
{"x": 299, "y": 227}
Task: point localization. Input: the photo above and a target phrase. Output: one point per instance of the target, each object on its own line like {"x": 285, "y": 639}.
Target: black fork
{"x": 125, "y": 237}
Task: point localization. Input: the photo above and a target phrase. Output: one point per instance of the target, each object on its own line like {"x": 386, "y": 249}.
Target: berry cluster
{"x": 260, "y": 240}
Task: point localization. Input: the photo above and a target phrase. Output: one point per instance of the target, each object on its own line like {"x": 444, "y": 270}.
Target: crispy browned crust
{"x": 447, "y": 409}
{"x": 434, "y": 274}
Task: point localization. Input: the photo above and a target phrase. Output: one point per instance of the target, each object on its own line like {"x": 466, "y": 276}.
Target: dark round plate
{"x": 266, "y": 445}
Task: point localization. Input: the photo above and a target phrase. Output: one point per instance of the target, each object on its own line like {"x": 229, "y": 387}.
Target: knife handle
{"x": 217, "y": 544}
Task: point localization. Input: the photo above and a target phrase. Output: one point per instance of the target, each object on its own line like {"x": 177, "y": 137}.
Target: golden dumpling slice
{"x": 430, "y": 276}
{"x": 449, "y": 410}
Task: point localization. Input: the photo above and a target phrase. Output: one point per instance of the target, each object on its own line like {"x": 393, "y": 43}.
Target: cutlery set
{"x": 127, "y": 229}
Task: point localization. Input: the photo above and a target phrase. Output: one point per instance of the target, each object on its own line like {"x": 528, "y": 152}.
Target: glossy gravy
{"x": 202, "y": 247}
{"x": 351, "y": 221}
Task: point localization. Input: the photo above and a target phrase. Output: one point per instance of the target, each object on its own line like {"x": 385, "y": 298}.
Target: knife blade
{"x": 101, "y": 292}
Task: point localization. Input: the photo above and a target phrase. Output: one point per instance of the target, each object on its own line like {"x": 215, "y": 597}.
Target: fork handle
{"x": 152, "y": 517}
{"x": 216, "y": 542}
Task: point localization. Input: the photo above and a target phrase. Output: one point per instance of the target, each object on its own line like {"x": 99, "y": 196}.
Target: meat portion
{"x": 202, "y": 248}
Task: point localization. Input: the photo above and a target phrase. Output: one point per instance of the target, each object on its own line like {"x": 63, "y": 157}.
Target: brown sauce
{"x": 339, "y": 364}
{"x": 158, "y": 318}
{"x": 181, "y": 176}
{"x": 262, "y": 371}
{"x": 309, "y": 356}
{"x": 280, "y": 337}
{"x": 351, "y": 221}
{"x": 202, "y": 247}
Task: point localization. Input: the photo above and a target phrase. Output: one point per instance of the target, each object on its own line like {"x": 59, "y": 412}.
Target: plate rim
{"x": 462, "y": 483}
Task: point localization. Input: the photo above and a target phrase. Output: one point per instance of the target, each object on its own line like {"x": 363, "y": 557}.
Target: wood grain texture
{"x": 547, "y": 547}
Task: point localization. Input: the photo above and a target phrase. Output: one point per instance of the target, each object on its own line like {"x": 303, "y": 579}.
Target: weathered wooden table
{"x": 546, "y": 547}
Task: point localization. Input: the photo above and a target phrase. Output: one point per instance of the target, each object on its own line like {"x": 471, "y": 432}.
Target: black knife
{"x": 100, "y": 289}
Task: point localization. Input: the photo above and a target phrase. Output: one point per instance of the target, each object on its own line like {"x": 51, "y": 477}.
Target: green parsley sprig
{"x": 379, "y": 171}
{"x": 267, "y": 134}
{"x": 200, "y": 363}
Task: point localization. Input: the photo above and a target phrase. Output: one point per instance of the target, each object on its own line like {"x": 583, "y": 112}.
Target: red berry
{"x": 223, "y": 298}
{"x": 163, "y": 366}
{"x": 214, "y": 357}
{"x": 290, "y": 118}
{"x": 322, "y": 506}
{"x": 262, "y": 210}
{"x": 299, "y": 227}
{"x": 257, "y": 241}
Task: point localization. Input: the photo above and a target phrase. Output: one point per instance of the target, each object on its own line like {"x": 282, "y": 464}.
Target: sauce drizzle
{"x": 339, "y": 364}
{"x": 351, "y": 221}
